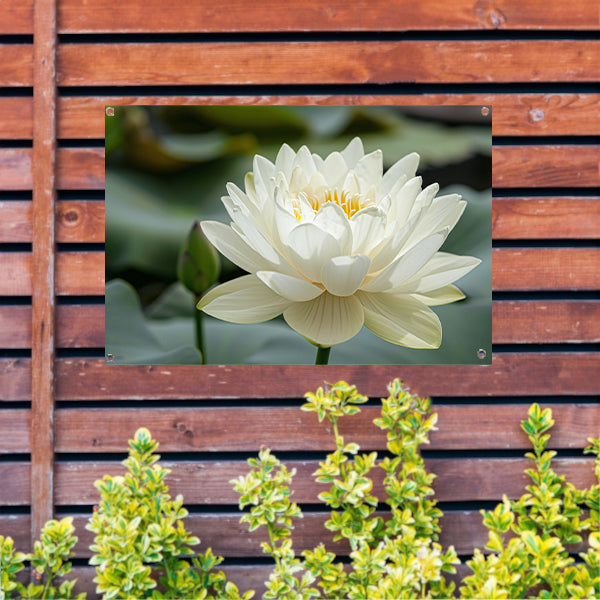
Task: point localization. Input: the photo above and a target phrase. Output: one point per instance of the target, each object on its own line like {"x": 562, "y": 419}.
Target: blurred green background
{"x": 167, "y": 166}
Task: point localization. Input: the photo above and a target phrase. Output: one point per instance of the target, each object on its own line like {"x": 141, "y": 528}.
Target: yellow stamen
{"x": 348, "y": 202}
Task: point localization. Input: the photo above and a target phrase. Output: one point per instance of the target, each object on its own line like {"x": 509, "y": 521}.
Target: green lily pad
{"x": 128, "y": 338}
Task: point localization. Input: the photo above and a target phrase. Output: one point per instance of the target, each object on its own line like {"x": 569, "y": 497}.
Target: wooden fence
{"x": 65, "y": 416}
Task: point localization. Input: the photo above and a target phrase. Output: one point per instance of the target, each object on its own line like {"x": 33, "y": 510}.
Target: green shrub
{"x": 142, "y": 549}
{"x": 399, "y": 557}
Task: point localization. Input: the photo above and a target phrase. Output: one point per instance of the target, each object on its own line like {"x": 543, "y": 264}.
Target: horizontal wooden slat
{"x": 16, "y": 65}
{"x": 545, "y": 218}
{"x": 513, "y": 166}
{"x": 541, "y": 321}
{"x": 17, "y": 491}
{"x": 364, "y": 15}
{"x": 513, "y": 218}
{"x": 459, "y": 479}
{"x": 77, "y": 326}
{"x": 290, "y": 429}
{"x": 15, "y": 167}
{"x": 15, "y": 431}
{"x": 218, "y": 63}
{"x": 208, "y": 482}
{"x": 513, "y": 114}
{"x": 82, "y": 273}
{"x": 229, "y": 538}
{"x": 80, "y": 221}
{"x": 545, "y": 269}
{"x": 546, "y": 166}
{"x": 513, "y": 322}
{"x": 521, "y": 374}
{"x": 279, "y": 15}
{"x": 77, "y": 273}
{"x": 76, "y": 221}
{"x": 17, "y": 118}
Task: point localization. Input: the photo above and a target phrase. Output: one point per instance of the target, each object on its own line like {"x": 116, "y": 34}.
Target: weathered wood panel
{"x": 514, "y": 322}
{"x": 273, "y": 63}
{"x": 513, "y": 114}
{"x": 278, "y": 15}
{"x": 540, "y": 321}
{"x": 546, "y": 166}
{"x": 531, "y": 269}
{"x": 82, "y": 273}
{"x": 459, "y": 479}
{"x": 76, "y": 221}
{"x": 545, "y": 218}
{"x": 521, "y": 374}
{"x": 15, "y": 428}
{"x": 227, "y": 537}
{"x": 16, "y": 65}
{"x": 513, "y": 166}
{"x": 512, "y": 218}
{"x": 290, "y": 429}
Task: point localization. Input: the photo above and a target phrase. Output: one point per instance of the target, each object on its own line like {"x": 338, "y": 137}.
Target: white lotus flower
{"x": 335, "y": 244}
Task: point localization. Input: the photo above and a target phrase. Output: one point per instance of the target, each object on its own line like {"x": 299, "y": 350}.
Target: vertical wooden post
{"x": 42, "y": 353}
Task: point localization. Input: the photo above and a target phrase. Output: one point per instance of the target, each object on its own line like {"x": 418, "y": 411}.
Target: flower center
{"x": 348, "y": 202}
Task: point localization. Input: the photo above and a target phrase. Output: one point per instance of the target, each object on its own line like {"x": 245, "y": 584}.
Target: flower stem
{"x": 323, "y": 355}
{"x": 199, "y": 330}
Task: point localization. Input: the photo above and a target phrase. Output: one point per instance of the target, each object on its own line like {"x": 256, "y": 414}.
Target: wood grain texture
{"x": 279, "y": 15}
{"x": 43, "y": 265}
{"x": 17, "y": 118}
{"x": 545, "y": 321}
{"x": 512, "y": 218}
{"x": 223, "y": 532}
{"x": 513, "y": 114}
{"x": 77, "y": 326}
{"x": 75, "y": 220}
{"x": 223, "y": 63}
{"x": 514, "y": 269}
{"x": 208, "y": 482}
{"x": 513, "y": 166}
{"x": 77, "y": 273}
{"x": 545, "y": 218}
{"x": 290, "y": 429}
{"x": 523, "y": 374}
{"x": 527, "y": 269}
{"x": 514, "y": 322}
{"x": 553, "y": 166}
{"x": 16, "y": 65}
{"x": 15, "y": 432}
{"x": 15, "y": 169}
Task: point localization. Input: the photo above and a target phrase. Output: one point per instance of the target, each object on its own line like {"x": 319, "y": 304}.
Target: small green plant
{"x": 49, "y": 561}
{"x": 141, "y": 548}
{"x": 528, "y": 538}
{"x": 399, "y": 556}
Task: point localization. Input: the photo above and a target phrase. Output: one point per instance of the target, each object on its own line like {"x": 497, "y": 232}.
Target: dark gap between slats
{"x": 80, "y": 246}
{"x": 87, "y": 300}
{"x": 504, "y": 35}
{"x": 369, "y": 89}
{"x": 520, "y": 192}
{"x": 558, "y": 295}
{"x": 22, "y": 143}
{"x": 16, "y": 247}
{"x": 80, "y": 195}
{"x": 213, "y": 458}
{"x": 16, "y": 196}
{"x": 297, "y": 403}
{"x": 522, "y": 140}
{"x": 15, "y": 352}
{"x": 16, "y": 38}
{"x": 545, "y": 243}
